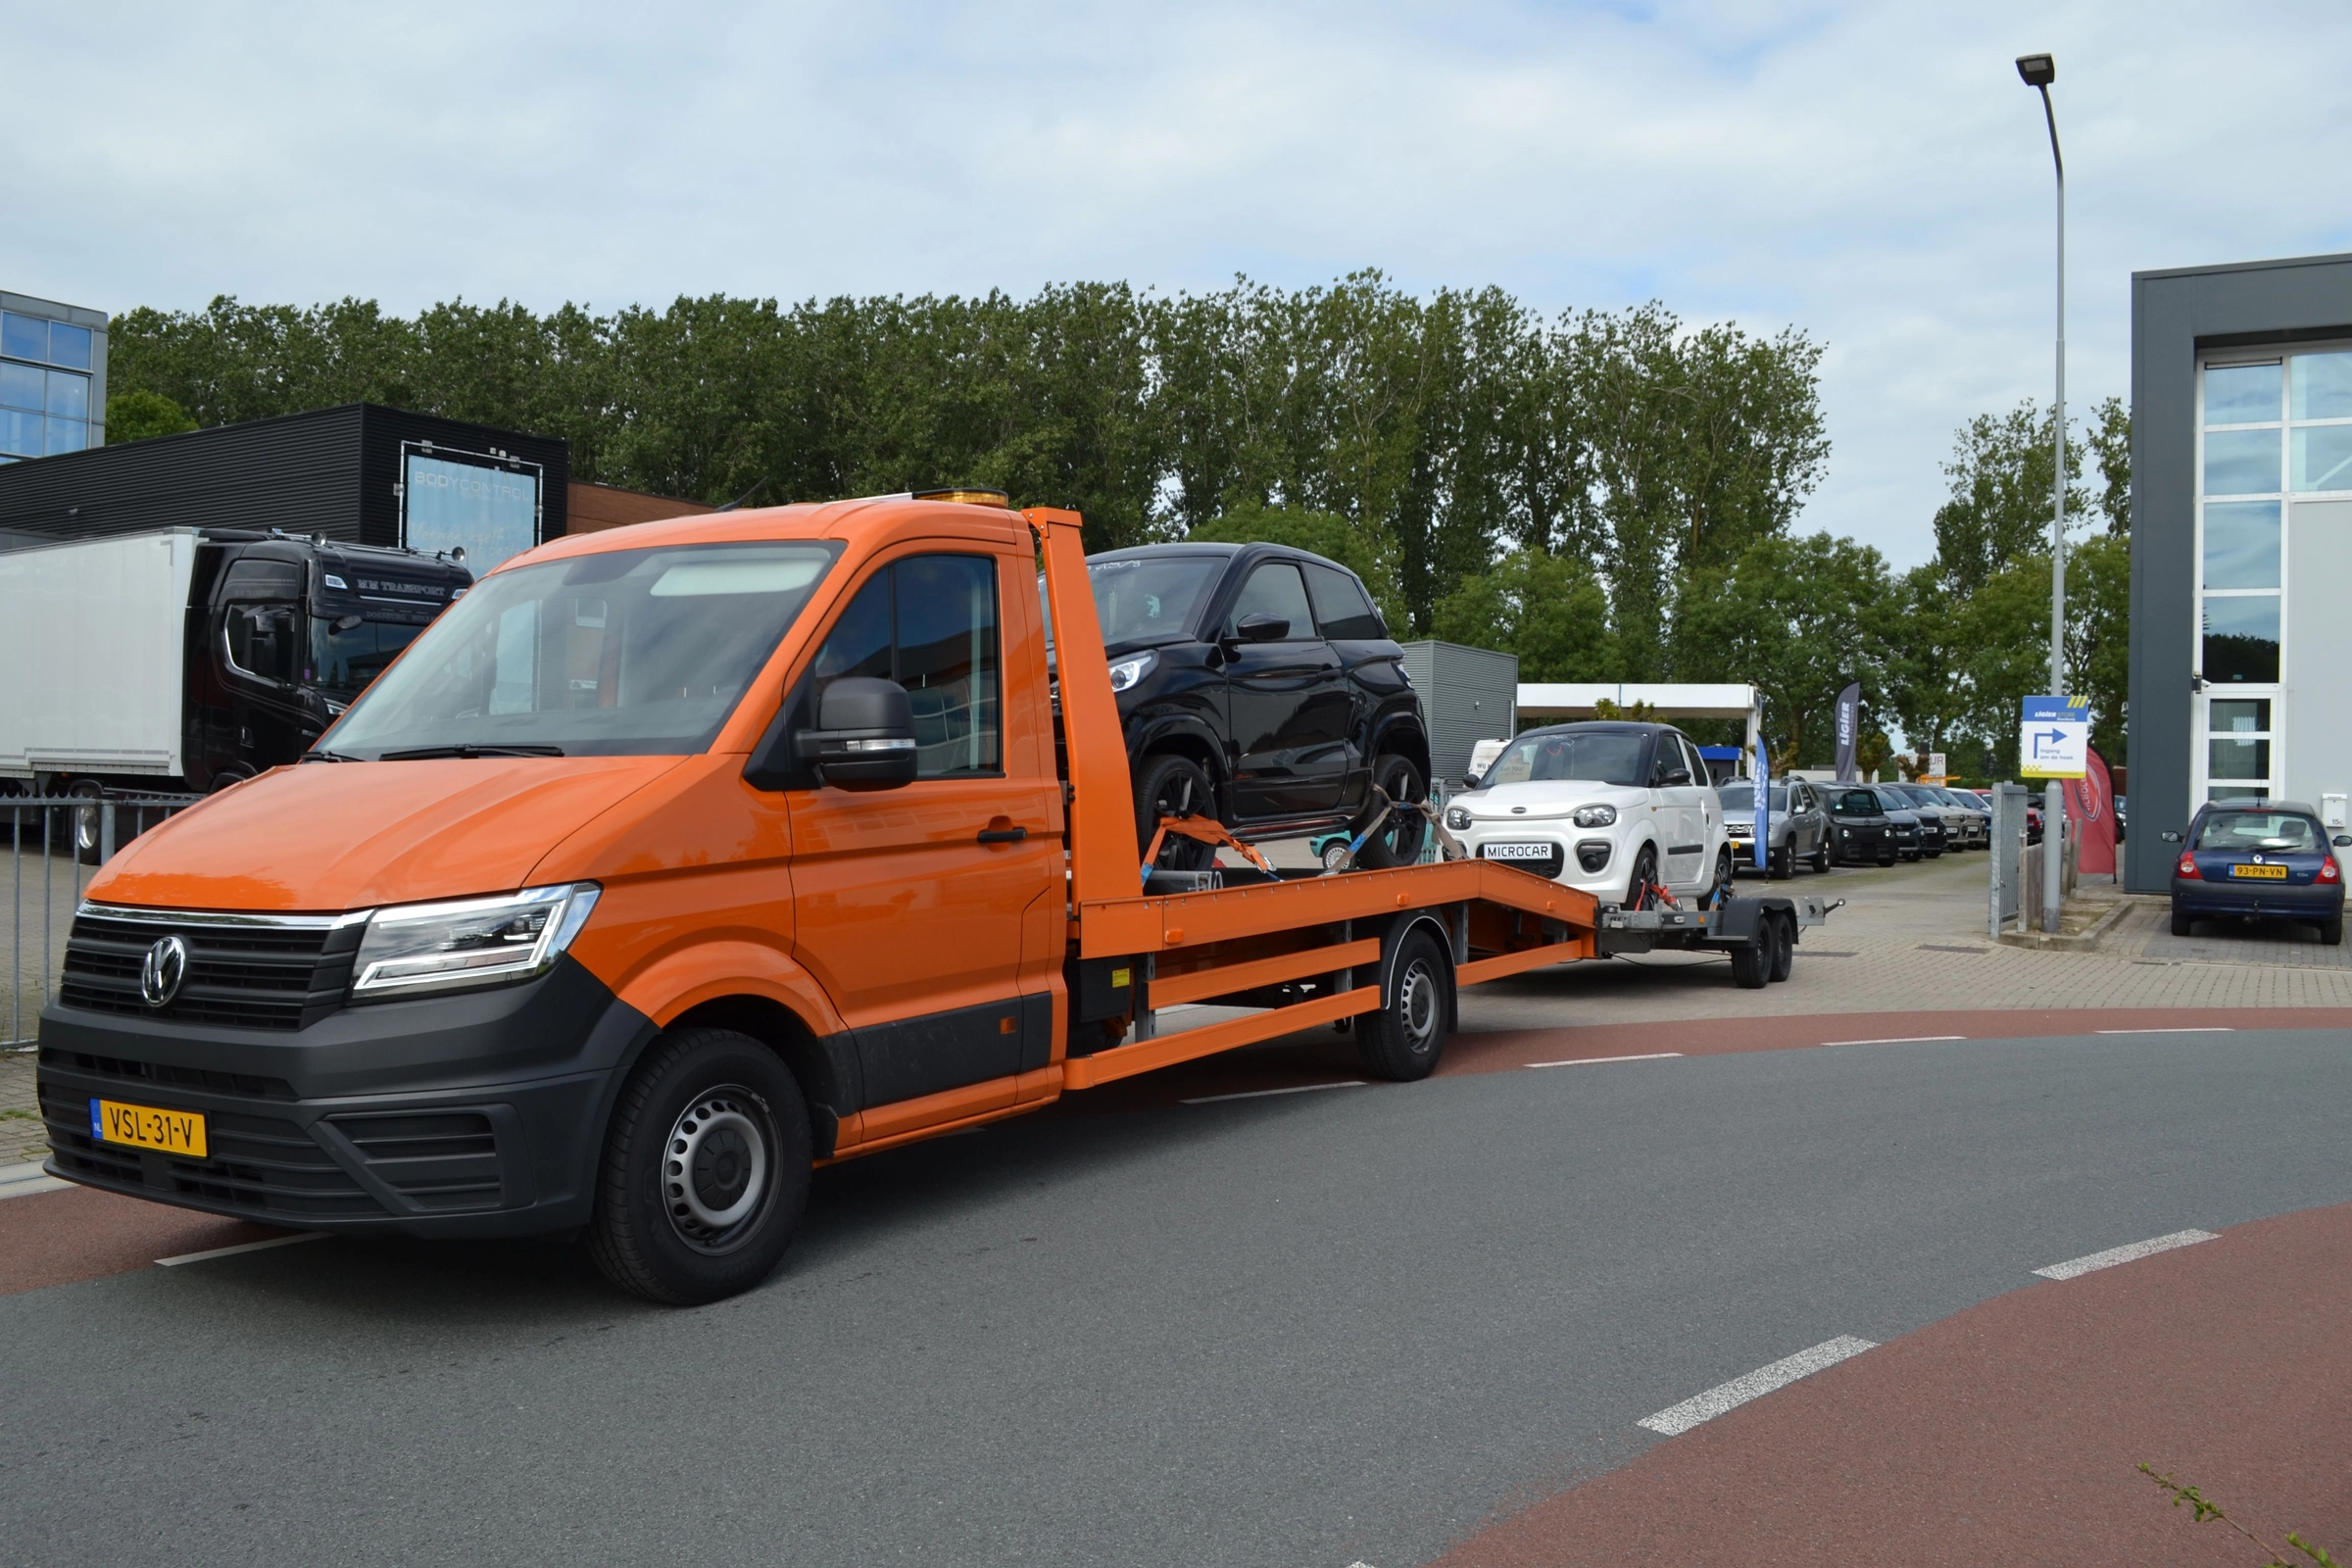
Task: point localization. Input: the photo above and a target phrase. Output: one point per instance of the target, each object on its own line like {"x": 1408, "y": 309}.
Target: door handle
{"x": 1002, "y": 835}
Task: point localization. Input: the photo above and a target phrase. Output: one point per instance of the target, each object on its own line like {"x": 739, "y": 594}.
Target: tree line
{"x": 1612, "y": 495}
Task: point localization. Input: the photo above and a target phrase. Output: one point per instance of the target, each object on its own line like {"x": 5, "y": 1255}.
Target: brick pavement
{"x": 20, "y": 1135}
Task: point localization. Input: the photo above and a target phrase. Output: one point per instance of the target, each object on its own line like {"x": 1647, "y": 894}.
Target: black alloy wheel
{"x": 1174, "y": 786}
{"x": 705, "y": 1172}
{"x": 1641, "y": 887}
{"x": 1401, "y": 837}
{"x": 1721, "y": 888}
{"x": 1403, "y": 1040}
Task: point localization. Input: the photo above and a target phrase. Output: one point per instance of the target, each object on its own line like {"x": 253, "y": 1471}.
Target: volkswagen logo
{"x": 164, "y": 968}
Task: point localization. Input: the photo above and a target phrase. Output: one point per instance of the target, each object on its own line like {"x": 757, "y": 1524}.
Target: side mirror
{"x": 1675, "y": 778}
{"x": 865, "y": 739}
{"x": 2170, "y": 838}
{"x": 1261, "y": 628}
{"x": 2341, "y": 840}
{"x": 1469, "y": 781}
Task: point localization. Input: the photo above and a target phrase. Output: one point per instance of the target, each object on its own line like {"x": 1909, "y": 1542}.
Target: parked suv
{"x": 1859, "y": 829}
{"x": 1259, "y": 685}
{"x": 1798, "y": 825}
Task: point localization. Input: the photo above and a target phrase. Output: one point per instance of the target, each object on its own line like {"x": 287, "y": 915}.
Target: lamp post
{"x": 2039, "y": 71}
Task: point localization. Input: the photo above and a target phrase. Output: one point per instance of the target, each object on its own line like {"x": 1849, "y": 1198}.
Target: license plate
{"x": 174, "y": 1132}
{"x": 1518, "y": 852}
{"x": 2269, "y": 873}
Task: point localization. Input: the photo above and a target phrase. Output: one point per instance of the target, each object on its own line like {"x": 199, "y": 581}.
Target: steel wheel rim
{"x": 717, "y": 1168}
{"x": 1417, "y": 1010}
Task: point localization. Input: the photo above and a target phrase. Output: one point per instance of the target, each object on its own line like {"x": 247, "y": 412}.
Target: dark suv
{"x": 1259, "y": 685}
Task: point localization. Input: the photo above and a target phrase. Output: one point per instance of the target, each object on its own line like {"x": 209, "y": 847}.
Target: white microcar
{"x": 1613, "y": 808}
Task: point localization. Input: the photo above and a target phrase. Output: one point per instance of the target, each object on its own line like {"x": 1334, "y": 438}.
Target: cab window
{"x": 1274, "y": 589}
{"x": 1340, "y": 607}
{"x": 928, "y": 622}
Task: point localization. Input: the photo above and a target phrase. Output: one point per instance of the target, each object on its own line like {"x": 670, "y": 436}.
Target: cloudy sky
{"x": 1872, "y": 173}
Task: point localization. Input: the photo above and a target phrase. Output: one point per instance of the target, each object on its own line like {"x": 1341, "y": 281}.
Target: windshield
{"x": 348, "y": 652}
{"x": 2244, "y": 832}
{"x": 1150, "y": 599}
{"x": 626, "y": 652}
{"x": 1604, "y": 756}
{"x": 1742, "y": 798}
{"x": 1919, "y": 794}
{"x": 1893, "y": 800}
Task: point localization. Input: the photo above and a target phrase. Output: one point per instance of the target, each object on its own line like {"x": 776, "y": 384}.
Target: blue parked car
{"x": 2259, "y": 857}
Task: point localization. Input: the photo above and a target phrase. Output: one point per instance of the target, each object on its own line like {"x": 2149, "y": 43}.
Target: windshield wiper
{"x": 422, "y": 753}
{"x": 328, "y": 757}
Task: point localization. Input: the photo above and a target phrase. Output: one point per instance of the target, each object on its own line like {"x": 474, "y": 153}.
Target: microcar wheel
{"x": 706, "y": 1170}
{"x": 1174, "y": 786}
{"x": 1399, "y": 839}
{"x": 1403, "y": 1040}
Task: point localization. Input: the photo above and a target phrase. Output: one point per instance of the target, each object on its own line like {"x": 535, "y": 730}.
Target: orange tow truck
{"x": 676, "y": 859}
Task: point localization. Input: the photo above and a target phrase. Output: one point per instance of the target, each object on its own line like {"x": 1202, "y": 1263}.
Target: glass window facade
{"x": 48, "y": 404}
{"x": 2273, "y": 433}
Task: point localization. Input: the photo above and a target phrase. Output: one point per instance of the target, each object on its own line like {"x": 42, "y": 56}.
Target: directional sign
{"x": 2054, "y": 739}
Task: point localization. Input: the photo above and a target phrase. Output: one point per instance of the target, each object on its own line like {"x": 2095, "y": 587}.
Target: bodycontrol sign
{"x": 2054, "y": 741}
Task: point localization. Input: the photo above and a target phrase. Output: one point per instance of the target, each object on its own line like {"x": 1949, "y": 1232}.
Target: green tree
{"x": 142, "y": 416}
{"x": 1549, "y": 609}
{"x": 2098, "y": 636}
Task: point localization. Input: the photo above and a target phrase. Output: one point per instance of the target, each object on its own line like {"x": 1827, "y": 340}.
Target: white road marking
{"x": 1896, "y": 1040}
{"x": 1681, "y": 1418}
{"x": 1586, "y": 1061}
{"x": 23, "y": 1181}
{"x": 241, "y": 1246}
{"x": 2207, "y": 1029}
{"x": 1260, "y": 1094}
{"x": 2073, "y": 1266}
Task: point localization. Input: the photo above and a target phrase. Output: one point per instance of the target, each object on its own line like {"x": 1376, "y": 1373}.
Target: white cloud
{"x": 1874, "y": 173}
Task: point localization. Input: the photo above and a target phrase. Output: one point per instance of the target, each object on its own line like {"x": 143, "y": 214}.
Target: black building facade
{"x": 2242, "y": 542}
{"x": 361, "y": 474}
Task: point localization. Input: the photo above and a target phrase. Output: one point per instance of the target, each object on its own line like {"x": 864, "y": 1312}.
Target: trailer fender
{"x": 1441, "y": 925}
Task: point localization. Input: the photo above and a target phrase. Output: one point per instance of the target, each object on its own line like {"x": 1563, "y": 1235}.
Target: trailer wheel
{"x": 1784, "y": 946}
{"x": 1401, "y": 1041}
{"x": 1751, "y": 962}
{"x": 705, "y": 1172}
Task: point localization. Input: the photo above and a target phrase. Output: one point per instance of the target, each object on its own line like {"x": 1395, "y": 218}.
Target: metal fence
{"x": 55, "y": 844}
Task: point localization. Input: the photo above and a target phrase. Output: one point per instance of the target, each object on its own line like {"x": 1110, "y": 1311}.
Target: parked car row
{"x": 1852, "y": 824}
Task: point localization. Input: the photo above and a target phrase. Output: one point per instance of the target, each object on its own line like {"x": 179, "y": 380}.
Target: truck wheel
{"x": 1751, "y": 964}
{"x": 1399, "y": 839}
{"x": 1174, "y": 786}
{"x": 1401, "y": 1041}
{"x": 706, "y": 1170}
{"x": 1784, "y": 946}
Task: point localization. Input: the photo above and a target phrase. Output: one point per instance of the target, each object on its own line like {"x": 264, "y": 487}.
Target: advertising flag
{"x": 1849, "y": 733}
{"x": 2090, "y": 806}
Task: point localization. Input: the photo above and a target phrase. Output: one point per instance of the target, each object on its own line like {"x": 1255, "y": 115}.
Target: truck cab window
{"x": 261, "y": 641}
{"x": 348, "y": 652}
{"x": 928, "y": 622}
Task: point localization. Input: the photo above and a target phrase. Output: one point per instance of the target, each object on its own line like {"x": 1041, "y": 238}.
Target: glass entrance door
{"x": 2238, "y": 758}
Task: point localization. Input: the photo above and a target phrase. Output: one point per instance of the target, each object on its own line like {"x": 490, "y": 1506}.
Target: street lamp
{"x": 2039, "y": 71}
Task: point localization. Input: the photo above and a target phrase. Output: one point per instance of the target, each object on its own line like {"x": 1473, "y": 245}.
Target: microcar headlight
{"x": 1595, "y": 815}
{"x": 415, "y": 948}
{"x": 1127, "y": 671}
{"x": 1456, "y": 818}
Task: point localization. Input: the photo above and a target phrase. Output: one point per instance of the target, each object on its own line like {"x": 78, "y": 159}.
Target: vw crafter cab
{"x": 674, "y": 859}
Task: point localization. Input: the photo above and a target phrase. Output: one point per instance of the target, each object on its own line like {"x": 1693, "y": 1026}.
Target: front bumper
{"x": 2310, "y": 901}
{"x": 452, "y": 1117}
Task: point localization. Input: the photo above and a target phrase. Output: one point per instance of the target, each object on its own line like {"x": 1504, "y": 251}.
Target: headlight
{"x": 1846, "y": 832}
{"x": 1127, "y": 671}
{"x": 1595, "y": 815}
{"x": 469, "y": 942}
{"x": 1456, "y": 818}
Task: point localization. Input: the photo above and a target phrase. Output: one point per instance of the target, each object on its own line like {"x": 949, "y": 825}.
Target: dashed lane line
{"x": 1896, "y": 1040}
{"x": 242, "y": 1246}
{"x": 2200, "y": 1029}
{"x": 1260, "y": 1094}
{"x": 1586, "y": 1061}
{"x": 1675, "y": 1420}
{"x": 2074, "y": 1266}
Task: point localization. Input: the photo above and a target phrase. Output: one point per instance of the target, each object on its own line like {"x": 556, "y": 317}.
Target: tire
{"x": 1403, "y": 1040}
{"x": 2182, "y": 923}
{"x": 1174, "y": 786}
{"x": 682, "y": 1236}
{"x": 1399, "y": 839}
{"x": 1644, "y": 876}
{"x": 1721, "y": 888}
{"x": 1779, "y": 864}
{"x": 2331, "y": 932}
{"x": 1784, "y": 946}
{"x": 1751, "y": 965}
{"x": 1885, "y": 858}
{"x": 1820, "y": 859}
{"x": 89, "y": 831}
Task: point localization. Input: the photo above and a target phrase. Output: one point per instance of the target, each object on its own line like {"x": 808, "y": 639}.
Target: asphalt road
{"x": 1327, "y": 1328}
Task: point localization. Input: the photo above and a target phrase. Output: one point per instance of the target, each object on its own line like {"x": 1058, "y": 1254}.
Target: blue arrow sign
{"x": 2051, "y": 735}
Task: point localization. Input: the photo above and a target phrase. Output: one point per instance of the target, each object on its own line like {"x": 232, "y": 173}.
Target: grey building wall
{"x": 1467, "y": 695}
{"x": 2177, "y": 314}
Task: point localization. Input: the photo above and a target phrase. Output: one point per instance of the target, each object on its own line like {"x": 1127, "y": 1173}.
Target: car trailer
{"x": 1759, "y": 934}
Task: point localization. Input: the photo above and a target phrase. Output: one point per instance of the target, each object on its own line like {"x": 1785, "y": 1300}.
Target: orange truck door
{"x": 912, "y": 901}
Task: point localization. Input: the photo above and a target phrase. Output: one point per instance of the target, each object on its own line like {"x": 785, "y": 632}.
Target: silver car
{"x": 1964, "y": 827}
{"x": 1798, "y": 825}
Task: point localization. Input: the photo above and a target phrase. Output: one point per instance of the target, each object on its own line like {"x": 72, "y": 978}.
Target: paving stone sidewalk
{"x": 22, "y": 1136}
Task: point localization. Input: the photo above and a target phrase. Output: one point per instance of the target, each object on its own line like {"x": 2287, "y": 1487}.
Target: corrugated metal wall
{"x": 1467, "y": 695}
{"x": 331, "y": 473}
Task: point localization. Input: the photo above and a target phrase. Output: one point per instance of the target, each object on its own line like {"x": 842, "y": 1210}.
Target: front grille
{"x": 244, "y": 973}
{"x": 442, "y": 1159}
{"x": 254, "y": 1162}
{"x": 160, "y": 1075}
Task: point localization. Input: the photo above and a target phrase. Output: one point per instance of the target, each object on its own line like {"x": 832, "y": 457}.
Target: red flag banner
{"x": 2090, "y": 806}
